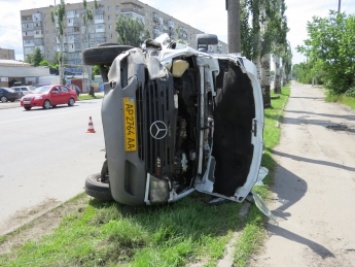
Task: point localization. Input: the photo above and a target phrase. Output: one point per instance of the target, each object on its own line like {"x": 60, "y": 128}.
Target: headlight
{"x": 38, "y": 97}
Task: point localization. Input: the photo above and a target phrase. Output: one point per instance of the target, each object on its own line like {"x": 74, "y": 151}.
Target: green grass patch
{"x": 89, "y": 97}
{"x": 110, "y": 234}
{"x": 254, "y": 233}
{"x": 343, "y": 99}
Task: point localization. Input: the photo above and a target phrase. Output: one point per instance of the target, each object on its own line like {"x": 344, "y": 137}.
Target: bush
{"x": 350, "y": 92}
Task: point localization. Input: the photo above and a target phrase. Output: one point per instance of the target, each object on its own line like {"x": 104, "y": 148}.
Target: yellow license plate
{"x": 130, "y": 125}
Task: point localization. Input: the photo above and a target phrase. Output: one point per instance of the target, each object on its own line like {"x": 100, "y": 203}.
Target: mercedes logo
{"x": 158, "y": 130}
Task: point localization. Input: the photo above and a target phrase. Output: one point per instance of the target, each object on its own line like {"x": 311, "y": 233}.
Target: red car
{"x": 49, "y": 96}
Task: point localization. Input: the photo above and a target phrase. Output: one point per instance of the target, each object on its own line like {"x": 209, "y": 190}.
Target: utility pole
{"x": 233, "y": 10}
{"x": 339, "y": 6}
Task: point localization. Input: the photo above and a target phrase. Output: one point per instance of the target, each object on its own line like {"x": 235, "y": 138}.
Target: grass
{"x": 346, "y": 100}
{"x": 188, "y": 231}
{"x": 110, "y": 234}
{"x": 89, "y": 97}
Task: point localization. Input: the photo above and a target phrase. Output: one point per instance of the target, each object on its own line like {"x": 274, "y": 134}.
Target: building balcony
{"x": 133, "y": 10}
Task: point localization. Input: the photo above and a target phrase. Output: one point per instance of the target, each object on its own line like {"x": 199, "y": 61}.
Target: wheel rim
{"x": 3, "y": 99}
{"x": 71, "y": 102}
{"x": 47, "y": 104}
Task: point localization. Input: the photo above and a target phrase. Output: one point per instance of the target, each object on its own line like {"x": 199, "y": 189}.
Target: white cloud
{"x": 209, "y": 16}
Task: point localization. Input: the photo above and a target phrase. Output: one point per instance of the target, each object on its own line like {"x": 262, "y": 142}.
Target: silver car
{"x": 23, "y": 90}
{"x": 177, "y": 121}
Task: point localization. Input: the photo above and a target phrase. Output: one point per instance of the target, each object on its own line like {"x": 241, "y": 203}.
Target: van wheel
{"x": 3, "y": 99}
{"x": 104, "y": 54}
{"x": 96, "y": 188}
{"x": 27, "y": 108}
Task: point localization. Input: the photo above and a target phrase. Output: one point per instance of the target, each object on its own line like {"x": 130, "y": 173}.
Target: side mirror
{"x": 203, "y": 40}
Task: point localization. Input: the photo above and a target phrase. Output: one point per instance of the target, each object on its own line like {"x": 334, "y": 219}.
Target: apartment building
{"x": 7, "y": 53}
{"x": 38, "y": 29}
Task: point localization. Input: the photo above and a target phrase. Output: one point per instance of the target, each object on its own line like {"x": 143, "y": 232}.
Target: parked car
{"x": 8, "y": 94}
{"x": 23, "y": 90}
{"x": 49, "y": 96}
{"x": 177, "y": 121}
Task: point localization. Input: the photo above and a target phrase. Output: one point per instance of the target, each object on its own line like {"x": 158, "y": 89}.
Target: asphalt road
{"x": 45, "y": 156}
{"x": 314, "y": 191}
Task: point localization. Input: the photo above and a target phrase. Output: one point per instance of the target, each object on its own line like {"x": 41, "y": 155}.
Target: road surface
{"x": 314, "y": 191}
{"x": 45, "y": 156}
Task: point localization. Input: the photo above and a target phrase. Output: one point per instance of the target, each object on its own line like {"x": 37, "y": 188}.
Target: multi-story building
{"x": 38, "y": 29}
{"x": 7, "y": 53}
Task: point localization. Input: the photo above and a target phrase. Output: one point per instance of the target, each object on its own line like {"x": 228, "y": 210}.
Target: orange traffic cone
{"x": 91, "y": 126}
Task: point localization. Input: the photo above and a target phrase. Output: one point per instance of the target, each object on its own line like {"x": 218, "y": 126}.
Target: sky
{"x": 209, "y": 17}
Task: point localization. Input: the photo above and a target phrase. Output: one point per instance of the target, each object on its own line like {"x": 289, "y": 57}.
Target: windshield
{"x": 42, "y": 89}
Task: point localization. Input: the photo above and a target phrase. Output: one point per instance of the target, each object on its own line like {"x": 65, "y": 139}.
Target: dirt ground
{"x": 34, "y": 223}
{"x": 314, "y": 191}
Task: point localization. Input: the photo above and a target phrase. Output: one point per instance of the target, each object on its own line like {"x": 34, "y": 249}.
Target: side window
{"x": 56, "y": 89}
{"x": 64, "y": 89}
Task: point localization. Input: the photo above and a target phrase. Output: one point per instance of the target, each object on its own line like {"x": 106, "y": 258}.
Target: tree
{"x": 131, "y": 31}
{"x": 261, "y": 21}
{"x": 287, "y": 65}
{"x": 44, "y": 63}
{"x": 37, "y": 57}
{"x": 280, "y": 46}
{"x": 330, "y": 51}
{"x": 87, "y": 17}
{"x": 58, "y": 17}
{"x": 28, "y": 59}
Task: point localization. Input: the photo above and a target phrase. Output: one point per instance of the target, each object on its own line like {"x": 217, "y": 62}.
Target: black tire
{"x": 27, "y": 108}
{"x": 104, "y": 172}
{"x": 104, "y": 54}
{"x": 95, "y": 188}
{"x": 71, "y": 102}
{"x": 47, "y": 104}
{"x": 3, "y": 99}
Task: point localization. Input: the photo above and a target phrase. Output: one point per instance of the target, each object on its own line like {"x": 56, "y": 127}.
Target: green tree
{"x": 280, "y": 46}
{"x": 131, "y": 31}
{"x": 302, "y": 72}
{"x": 58, "y": 18}
{"x": 28, "y": 59}
{"x": 37, "y": 57}
{"x": 44, "y": 63}
{"x": 88, "y": 17}
{"x": 330, "y": 51}
{"x": 287, "y": 65}
{"x": 260, "y": 24}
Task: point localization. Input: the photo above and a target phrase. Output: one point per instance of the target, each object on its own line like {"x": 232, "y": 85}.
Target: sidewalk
{"x": 313, "y": 194}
